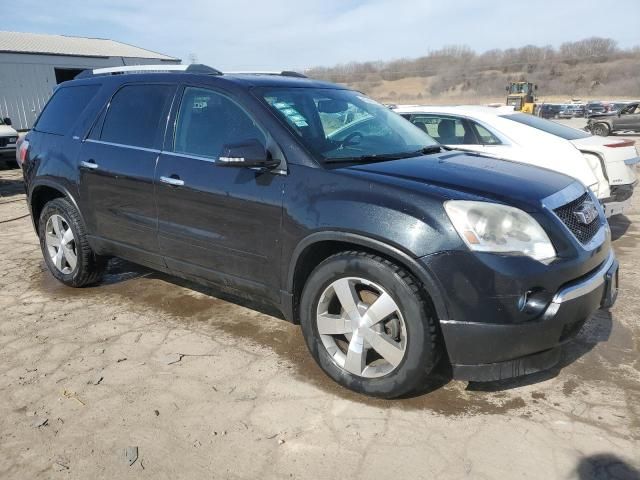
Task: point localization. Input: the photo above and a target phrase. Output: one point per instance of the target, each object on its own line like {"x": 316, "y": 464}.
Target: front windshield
{"x": 554, "y": 128}
{"x": 343, "y": 125}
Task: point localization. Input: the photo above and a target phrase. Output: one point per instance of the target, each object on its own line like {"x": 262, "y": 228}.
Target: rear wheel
{"x": 368, "y": 325}
{"x": 601, "y": 129}
{"x": 64, "y": 245}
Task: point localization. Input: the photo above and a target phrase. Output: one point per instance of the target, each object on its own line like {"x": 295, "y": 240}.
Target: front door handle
{"x": 89, "y": 164}
{"x": 172, "y": 180}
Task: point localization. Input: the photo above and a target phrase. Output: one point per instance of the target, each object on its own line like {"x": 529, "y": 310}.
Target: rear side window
{"x": 64, "y": 108}
{"x": 135, "y": 113}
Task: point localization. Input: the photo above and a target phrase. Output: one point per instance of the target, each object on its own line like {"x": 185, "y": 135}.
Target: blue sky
{"x": 250, "y": 34}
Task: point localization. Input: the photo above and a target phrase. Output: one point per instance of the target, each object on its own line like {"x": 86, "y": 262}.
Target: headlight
{"x": 491, "y": 227}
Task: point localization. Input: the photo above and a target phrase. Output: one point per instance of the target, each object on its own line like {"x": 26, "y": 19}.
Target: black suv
{"x": 391, "y": 250}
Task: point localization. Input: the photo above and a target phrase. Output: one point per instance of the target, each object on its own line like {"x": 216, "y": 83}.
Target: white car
{"x": 605, "y": 168}
{"x": 8, "y": 139}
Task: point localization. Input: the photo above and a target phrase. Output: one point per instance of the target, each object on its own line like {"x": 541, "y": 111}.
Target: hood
{"x": 7, "y": 131}
{"x": 476, "y": 175}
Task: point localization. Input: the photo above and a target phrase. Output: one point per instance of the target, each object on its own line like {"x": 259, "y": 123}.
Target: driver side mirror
{"x": 248, "y": 154}
{"x": 7, "y": 121}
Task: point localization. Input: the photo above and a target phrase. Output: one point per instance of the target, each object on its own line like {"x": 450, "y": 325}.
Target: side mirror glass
{"x": 7, "y": 121}
{"x": 248, "y": 154}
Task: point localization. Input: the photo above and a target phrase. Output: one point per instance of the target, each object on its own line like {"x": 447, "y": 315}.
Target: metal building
{"x": 31, "y": 65}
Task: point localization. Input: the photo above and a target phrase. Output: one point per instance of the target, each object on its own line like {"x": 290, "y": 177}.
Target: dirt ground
{"x": 205, "y": 388}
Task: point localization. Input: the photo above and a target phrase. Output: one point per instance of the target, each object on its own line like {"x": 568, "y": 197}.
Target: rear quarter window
{"x": 64, "y": 108}
{"x": 135, "y": 114}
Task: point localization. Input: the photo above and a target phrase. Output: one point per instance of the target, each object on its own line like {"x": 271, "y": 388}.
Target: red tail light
{"x": 22, "y": 152}
{"x": 623, "y": 143}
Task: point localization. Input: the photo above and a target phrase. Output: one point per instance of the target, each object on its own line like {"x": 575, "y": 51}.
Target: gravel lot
{"x": 205, "y": 388}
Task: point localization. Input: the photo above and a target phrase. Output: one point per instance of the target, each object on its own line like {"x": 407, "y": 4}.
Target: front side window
{"x": 134, "y": 116}
{"x": 342, "y": 125}
{"x": 485, "y": 136}
{"x": 446, "y": 130}
{"x": 207, "y": 121}
{"x": 64, "y": 108}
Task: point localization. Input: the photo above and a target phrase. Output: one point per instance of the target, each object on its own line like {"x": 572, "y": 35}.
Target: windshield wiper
{"x": 372, "y": 158}
{"x": 433, "y": 149}
{"x": 389, "y": 156}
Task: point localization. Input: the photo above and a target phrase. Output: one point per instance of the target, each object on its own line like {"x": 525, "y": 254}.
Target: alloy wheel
{"x": 61, "y": 244}
{"x": 361, "y": 327}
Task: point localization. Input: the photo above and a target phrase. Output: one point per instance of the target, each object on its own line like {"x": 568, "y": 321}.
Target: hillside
{"x": 593, "y": 68}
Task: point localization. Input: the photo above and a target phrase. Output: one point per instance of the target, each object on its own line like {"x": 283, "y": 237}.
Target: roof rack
{"x": 193, "y": 68}
{"x": 283, "y": 73}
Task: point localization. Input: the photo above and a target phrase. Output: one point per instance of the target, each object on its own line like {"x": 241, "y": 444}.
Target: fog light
{"x": 533, "y": 302}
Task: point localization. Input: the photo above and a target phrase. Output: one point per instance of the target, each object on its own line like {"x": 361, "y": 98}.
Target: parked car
{"x": 605, "y": 167}
{"x": 8, "y": 139}
{"x": 388, "y": 248}
{"x": 572, "y": 111}
{"x": 627, "y": 119}
{"x": 596, "y": 107}
{"x": 566, "y": 112}
{"x": 548, "y": 110}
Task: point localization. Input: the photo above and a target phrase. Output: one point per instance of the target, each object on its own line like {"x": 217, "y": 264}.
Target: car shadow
{"x": 11, "y": 186}
{"x": 596, "y": 329}
{"x": 605, "y": 466}
{"x": 119, "y": 271}
{"x": 619, "y": 225}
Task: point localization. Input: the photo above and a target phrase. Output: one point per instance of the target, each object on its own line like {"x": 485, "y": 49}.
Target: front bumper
{"x": 488, "y": 351}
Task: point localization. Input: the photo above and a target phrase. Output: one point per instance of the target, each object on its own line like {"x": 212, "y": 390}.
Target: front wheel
{"x": 368, "y": 325}
{"x": 64, "y": 245}
{"x": 601, "y": 129}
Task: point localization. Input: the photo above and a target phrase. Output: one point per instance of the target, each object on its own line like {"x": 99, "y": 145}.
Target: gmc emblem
{"x": 586, "y": 213}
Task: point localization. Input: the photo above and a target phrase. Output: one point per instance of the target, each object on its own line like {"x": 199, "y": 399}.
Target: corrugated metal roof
{"x": 17, "y": 42}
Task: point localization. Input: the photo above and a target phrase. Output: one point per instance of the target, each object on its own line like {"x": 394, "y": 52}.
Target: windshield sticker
{"x": 291, "y": 113}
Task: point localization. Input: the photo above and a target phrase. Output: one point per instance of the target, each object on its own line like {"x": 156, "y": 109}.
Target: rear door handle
{"x": 173, "y": 180}
{"x": 89, "y": 164}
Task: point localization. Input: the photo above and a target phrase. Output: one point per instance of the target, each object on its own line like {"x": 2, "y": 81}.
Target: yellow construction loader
{"x": 520, "y": 95}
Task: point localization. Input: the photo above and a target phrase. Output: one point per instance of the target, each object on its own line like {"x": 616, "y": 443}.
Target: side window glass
{"x": 485, "y": 136}
{"x": 96, "y": 130}
{"x": 64, "y": 108}
{"x": 207, "y": 121}
{"x": 446, "y": 130}
{"x": 134, "y": 115}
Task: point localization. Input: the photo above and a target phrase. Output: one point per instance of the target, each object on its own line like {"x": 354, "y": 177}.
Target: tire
{"x": 88, "y": 267}
{"x": 601, "y": 129}
{"x": 411, "y": 328}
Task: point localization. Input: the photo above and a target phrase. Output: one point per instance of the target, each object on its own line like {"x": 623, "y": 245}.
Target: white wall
{"x": 27, "y": 81}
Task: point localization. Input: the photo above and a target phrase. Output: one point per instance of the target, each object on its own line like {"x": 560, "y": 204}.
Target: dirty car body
{"x": 268, "y": 230}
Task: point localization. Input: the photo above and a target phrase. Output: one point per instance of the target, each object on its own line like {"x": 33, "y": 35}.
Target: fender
{"x": 43, "y": 182}
{"x": 420, "y": 271}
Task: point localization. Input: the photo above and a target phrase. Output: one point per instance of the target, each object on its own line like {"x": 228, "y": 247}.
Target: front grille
{"x": 4, "y": 141}
{"x": 566, "y": 213}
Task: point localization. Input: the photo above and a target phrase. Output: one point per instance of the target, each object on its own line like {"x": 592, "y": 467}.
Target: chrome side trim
{"x": 585, "y": 286}
{"x": 186, "y": 155}
{"x": 133, "y": 147}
